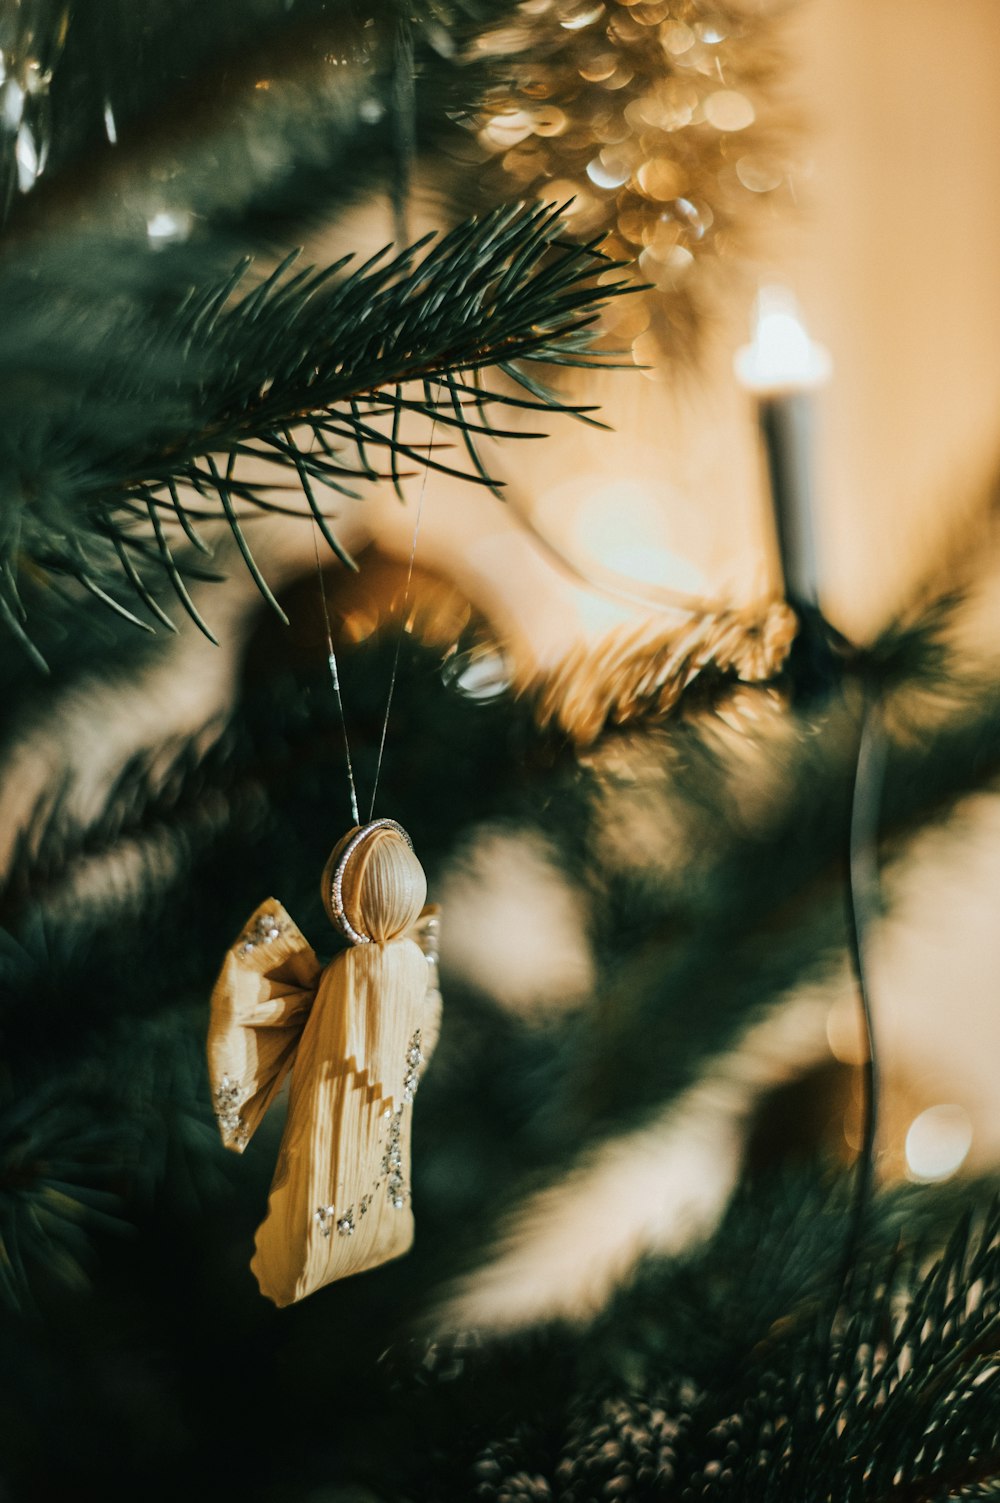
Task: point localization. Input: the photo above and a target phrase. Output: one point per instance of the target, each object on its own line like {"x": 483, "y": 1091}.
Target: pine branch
{"x": 307, "y": 370}
{"x": 784, "y": 924}
{"x": 701, "y": 1357}
{"x": 189, "y": 820}
{"x": 85, "y": 1149}
{"x": 723, "y": 1376}
{"x": 57, "y": 1186}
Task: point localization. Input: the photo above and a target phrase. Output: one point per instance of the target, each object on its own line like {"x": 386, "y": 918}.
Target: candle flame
{"x": 782, "y": 356}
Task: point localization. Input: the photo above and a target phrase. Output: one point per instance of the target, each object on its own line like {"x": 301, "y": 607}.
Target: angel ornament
{"x": 355, "y": 1036}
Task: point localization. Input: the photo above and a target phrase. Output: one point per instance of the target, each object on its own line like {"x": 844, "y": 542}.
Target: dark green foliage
{"x": 136, "y": 1357}
{"x": 103, "y": 988}
{"x": 309, "y": 371}
{"x": 622, "y": 1447}
{"x": 255, "y": 116}
{"x": 893, "y": 1395}
{"x": 139, "y": 375}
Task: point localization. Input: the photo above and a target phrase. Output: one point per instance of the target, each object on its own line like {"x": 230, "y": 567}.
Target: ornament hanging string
{"x": 402, "y": 625}
{"x": 332, "y": 656}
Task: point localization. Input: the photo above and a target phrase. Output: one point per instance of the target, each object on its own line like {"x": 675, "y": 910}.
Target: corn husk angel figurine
{"x": 355, "y": 1036}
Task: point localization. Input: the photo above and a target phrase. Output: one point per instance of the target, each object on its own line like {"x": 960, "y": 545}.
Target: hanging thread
{"x": 402, "y": 625}
{"x": 862, "y": 910}
{"x": 332, "y": 656}
{"x": 335, "y": 675}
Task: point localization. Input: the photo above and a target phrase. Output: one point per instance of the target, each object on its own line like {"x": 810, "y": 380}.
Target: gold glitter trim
{"x": 638, "y": 673}
{"x": 665, "y": 124}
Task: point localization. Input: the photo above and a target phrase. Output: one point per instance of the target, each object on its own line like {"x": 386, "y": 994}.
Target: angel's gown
{"x": 355, "y": 1036}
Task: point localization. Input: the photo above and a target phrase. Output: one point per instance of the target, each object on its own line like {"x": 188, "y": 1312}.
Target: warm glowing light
{"x": 604, "y": 176}
{"x": 782, "y": 356}
{"x": 585, "y": 16}
{"x": 518, "y": 927}
{"x": 26, "y": 154}
{"x": 507, "y": 129}
{"x": 650, "y": 113}
{"x": 760, "y": 174}
{"x": 480, "y": 676}
{"x": 622, "y": 526}
{"x": 13, "y": 104}
{"x": 937, "y": 1143}
{"x": 678, "y": 38}
{"x": 168, "y": 226}
{"x": 549, "y": 121}
{"x": 727, "y": 110}
{"x": 845, "y": 1033}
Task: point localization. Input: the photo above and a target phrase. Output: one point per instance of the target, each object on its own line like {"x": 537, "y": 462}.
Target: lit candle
{"x": 783, "y": 367}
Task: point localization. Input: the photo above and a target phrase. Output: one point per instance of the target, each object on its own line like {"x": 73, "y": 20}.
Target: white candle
{"x": 782, "y": 367}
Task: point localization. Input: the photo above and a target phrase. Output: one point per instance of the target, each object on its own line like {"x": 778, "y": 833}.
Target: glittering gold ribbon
{"x": 639, "y": 673}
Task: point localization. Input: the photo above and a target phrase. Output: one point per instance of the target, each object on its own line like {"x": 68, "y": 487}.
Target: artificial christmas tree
{"x": 645, "y": 1263}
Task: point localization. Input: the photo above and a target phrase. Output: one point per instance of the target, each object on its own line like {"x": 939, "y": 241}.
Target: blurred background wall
{"x": 899, "y": 268}
{"x": 889, "y": 233}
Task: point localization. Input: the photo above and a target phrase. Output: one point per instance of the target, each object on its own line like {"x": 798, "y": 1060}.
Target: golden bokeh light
{"x": 638, "y": 103}
{"x": 938, "y": 1143}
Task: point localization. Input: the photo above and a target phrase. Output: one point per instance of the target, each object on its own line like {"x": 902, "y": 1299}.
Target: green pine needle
{"x": 312, "y": 371}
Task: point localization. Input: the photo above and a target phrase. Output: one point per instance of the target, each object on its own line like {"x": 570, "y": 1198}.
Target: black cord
{"x": 862, "y": 909}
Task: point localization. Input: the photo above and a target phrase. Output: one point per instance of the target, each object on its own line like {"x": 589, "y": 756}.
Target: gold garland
{"x": 659, "y": 120}
{"x": 638, "y": 673}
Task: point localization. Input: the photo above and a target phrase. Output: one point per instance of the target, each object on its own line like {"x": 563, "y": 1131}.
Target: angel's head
{"x": 373, "y": 885}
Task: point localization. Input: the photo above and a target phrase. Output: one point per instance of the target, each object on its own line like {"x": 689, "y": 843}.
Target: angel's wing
{"x": 259, "y": 1006}
{"x": 340, "y": 1200}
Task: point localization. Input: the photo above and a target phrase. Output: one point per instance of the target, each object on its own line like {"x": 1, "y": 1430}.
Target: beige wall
{"x": 899, "y": 266}
{"x": 894, "y": 251}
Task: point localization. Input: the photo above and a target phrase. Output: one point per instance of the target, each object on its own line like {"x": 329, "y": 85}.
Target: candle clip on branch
{"x": 783, "y": 367}
{"x": 313, "y": 371}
